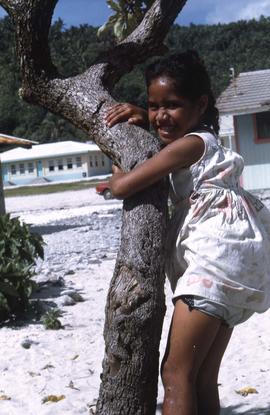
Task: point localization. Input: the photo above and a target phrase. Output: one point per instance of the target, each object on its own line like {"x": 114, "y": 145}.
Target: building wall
{"x": 256, "y": 173}
{"x": 19, "y": 173}
{"x": 65, "y": 168}
{"x": 73, "y": 167}
{"x": 99, "y": 164}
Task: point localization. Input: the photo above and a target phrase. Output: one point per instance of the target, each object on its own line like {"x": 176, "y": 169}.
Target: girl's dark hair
{"x": 191, "y": 78}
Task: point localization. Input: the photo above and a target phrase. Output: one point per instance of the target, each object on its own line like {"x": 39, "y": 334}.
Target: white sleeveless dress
{"x": 218, "y": 244}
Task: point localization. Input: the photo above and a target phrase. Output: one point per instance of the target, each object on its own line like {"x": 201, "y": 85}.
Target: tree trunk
{"x": 135, "y": 304}
{"x": 135, "y": 310}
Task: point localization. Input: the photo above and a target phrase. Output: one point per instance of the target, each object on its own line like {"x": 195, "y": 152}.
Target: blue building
{"x": 247, "y": 99}
{"x": 6, "y": 143}
{"x": 53, "y": 162}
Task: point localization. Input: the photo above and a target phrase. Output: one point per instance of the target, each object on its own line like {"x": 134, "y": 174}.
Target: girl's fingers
{"x": 114, "y": 119}
{"x": 134, "y": 120}
{"x": 117, "y": 108}
{"x": 114, "y": 108}
{"x": 116, "y": 169}
{"x": 116, "y": 114}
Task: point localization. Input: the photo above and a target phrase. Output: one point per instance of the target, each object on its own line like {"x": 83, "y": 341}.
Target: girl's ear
{"x": 203, "y": 104}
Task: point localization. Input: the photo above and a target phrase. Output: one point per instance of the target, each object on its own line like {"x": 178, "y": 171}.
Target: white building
{"x": 6, "y": 143}
{"x": 247, "y": 99}
{"x": 53, "y": 162}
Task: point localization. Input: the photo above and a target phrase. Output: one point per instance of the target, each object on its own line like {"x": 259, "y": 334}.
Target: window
{"x": 79, "y": 161}
{"x": 102, "y": 160}
{"x": 13, "y": 169}
{"x": 60, "y": 164}
{"x": 51, "y": 165}
{"x": 262, "y": 126}
{"x": 96, "y": 161}
{"x": 30, "y": 167}
{"x": 91, "y": 161}
{"x": 22, "y": 168}
{"x": 69, "y": 163}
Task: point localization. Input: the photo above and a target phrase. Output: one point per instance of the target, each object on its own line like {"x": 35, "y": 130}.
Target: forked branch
{"x": 81, "y": 99}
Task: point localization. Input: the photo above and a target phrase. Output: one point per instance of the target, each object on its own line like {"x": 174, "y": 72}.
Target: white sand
{"x": 68, "y": 362}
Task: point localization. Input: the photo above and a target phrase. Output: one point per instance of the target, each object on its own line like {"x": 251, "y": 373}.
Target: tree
{"x": 135, "y": 306}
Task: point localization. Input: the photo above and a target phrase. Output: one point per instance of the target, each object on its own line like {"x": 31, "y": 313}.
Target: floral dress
{"x": 219, "y": 236}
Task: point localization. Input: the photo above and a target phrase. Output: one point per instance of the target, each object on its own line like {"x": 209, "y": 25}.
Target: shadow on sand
{"x": 42, "y": 300}
{"x": 49, "y": 229}
{"x": 233, "y": 410}
{"x": 241, "y": 409}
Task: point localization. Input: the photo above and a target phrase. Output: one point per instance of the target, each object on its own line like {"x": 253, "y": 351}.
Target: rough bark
{"x": 135, "y": 304}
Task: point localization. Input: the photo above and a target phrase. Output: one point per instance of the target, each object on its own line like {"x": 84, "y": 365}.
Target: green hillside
{"x": 243, "y": 45}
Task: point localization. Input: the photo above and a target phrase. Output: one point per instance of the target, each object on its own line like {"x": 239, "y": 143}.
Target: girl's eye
{"x": 152, "y": 107}
{"x": 173, "y": 105}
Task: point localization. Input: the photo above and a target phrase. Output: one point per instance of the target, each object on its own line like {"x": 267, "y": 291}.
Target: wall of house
{"x": 256, "y": 173}
{"x": 73, "y": 167}
{"x": 99, "y": 164}
{"x": 19, "y": 173}
{"x": 65, "y": 168}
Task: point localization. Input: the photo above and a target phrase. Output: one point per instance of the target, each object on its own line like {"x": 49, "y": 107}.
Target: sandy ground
{"x": 67, "y": 363}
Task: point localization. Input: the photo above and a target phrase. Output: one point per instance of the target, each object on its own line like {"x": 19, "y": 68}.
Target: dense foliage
{"x": 125, "y": 18}
{"x": 19, "y": 250}
{"x": 242, "y": 45}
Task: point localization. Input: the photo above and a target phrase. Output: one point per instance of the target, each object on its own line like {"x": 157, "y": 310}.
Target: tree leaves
{"x": 128, "y": 14}
{"x": 9, "y": 289}
{"x": 19, "y": 250}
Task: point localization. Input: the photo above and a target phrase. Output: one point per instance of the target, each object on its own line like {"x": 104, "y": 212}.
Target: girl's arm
{"x": 127, "y": 112}
{"x": 181, "y": 153}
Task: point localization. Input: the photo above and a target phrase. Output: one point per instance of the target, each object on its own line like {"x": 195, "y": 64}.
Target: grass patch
{"x": 51, "y": 188}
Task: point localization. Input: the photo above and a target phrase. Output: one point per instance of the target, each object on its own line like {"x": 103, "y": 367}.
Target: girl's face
{"x": 170, "y": 114}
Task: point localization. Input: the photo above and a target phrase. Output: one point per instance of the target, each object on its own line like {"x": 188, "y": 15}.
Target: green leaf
{"x": 19, "y": 250}
{"x": 8, "y": 289}
{"x": 3, "y": 304}
{"x": 113, "y": 5}
{"x": 119, "y": 29}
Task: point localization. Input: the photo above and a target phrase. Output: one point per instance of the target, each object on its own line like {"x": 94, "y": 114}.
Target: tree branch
{"x": 146, "y": 40}
{"x": 82, "y": 100}
{"x": 32, "y": 21}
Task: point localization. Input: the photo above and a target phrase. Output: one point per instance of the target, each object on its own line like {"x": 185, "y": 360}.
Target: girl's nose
{"x": 162, "y": 115}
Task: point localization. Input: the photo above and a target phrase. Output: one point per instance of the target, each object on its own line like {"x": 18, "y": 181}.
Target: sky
{"x": 96, "y": 12}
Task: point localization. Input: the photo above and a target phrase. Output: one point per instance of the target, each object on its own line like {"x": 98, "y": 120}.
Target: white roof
{"x": 249, "y": 92}
{"x": 41, "y": 151}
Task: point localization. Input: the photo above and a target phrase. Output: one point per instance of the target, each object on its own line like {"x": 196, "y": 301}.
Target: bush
{"x": 51, "y": 320}
{"x": 19, "y": 250}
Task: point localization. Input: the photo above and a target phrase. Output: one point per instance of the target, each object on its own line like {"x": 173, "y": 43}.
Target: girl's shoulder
{"x": 210, "y": 139}
{"x": 207, "y": 135}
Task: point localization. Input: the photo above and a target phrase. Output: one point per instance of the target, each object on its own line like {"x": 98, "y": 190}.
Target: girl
{"x": 219, "y": 237}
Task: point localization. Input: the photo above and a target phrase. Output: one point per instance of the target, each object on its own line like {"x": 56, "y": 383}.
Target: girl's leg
{"x": 191, "y": 337}
{"x": 207, "y": 383}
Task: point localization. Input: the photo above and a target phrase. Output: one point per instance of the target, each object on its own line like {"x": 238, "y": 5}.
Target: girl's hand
{"x": 115, "y": 180}
{"x": 127, "y": 112}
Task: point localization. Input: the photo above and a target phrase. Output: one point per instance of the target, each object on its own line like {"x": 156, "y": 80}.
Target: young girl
{"x": 219, "y": 237}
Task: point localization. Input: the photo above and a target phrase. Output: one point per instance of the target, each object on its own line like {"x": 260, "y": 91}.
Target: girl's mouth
{"x": 165, "y": 130}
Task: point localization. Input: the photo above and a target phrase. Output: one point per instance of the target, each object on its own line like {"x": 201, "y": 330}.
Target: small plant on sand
{"x": 19, "y": 250}
{"x": 51, "y": 321}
